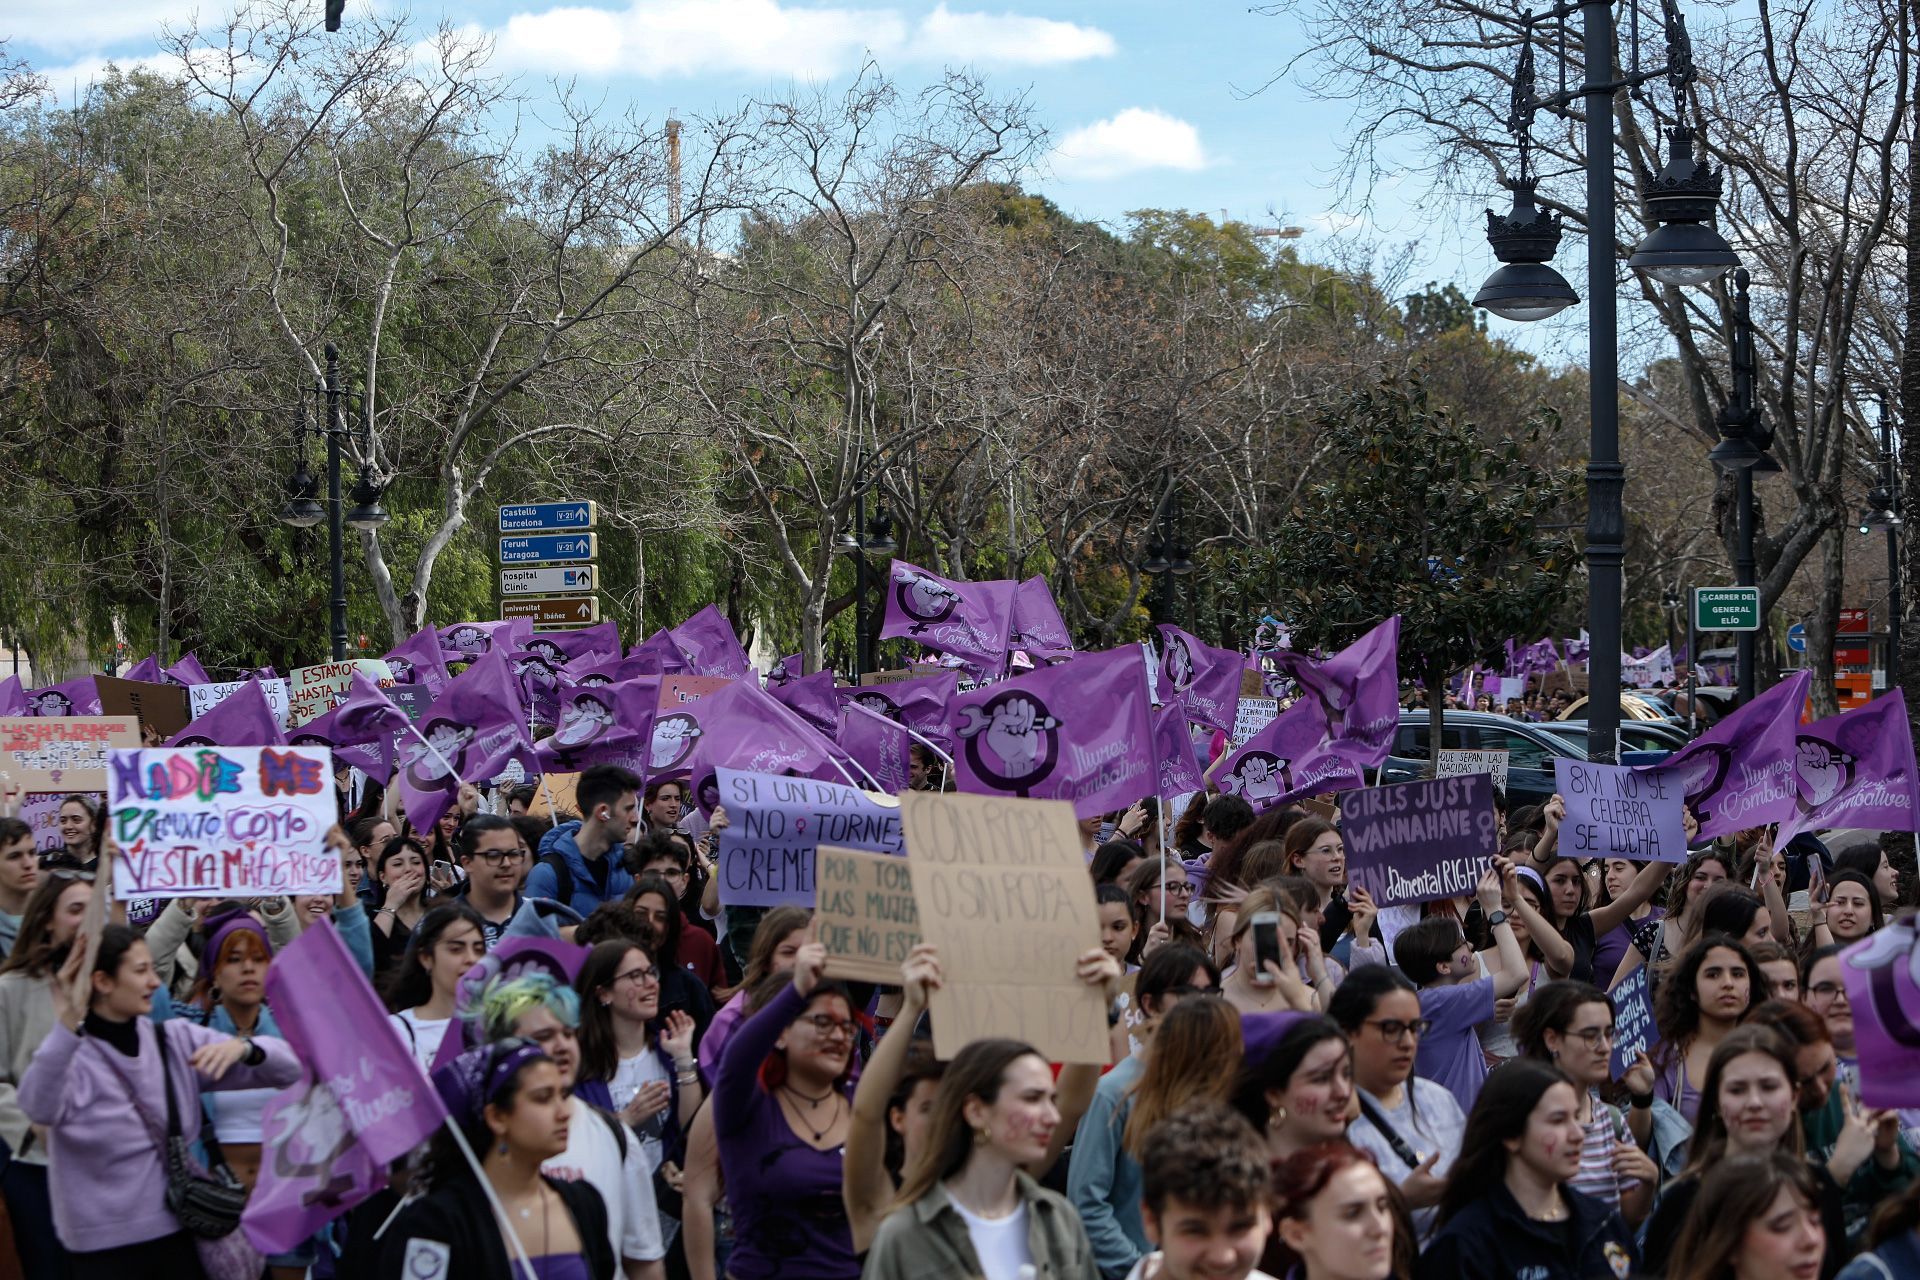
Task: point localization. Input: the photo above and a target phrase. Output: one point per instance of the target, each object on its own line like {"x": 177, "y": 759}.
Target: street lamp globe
{"x": 1684, "y": 249}
{"x": 1182, "y": 563}
{"x": 366, "y": 511}
{"x": 303, "y": 509}
{"x": 879, "y": 539}
{"x": 845, "y": 544}
{"x": 1525, "y": 288}
{"x": 1156, "y": 561}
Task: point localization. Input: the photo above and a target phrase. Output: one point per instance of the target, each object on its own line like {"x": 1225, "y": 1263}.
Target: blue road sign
{"x": 1797, "y": 637}
{"x": 548, "y": 548}
{"x": 539, "y": 517}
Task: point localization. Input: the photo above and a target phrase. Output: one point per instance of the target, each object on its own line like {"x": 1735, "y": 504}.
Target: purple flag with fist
{"x": 1290, "y": 758}
{"x": 970, "y": 620}
{"x": 1855, "y": 769}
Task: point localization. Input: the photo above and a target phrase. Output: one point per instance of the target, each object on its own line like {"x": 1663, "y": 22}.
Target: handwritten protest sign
{"x": 1001, "y": 888}
{"x": 62, "y": 753}
{"x": 1415, "y": 841}
{"x": 1457, "y": 764}
{"x": 1614, "y": 811}
{"x": 559, "y": 788}
{"x": 775, "y": 823}
{"x": 1251, "y": 715}
{"x": 41, "y": 811}
{"x": 864, "y": 913}
{"x": 160, "y": 707}
{"x": 202, "y": 698}
{"x": 1634, "y": 1031}
{"x": 314, "y": 691}
{"x": 216, "y": 822}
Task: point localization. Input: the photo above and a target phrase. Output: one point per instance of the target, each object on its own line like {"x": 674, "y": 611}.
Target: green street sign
{"x": 1726, "y": 608}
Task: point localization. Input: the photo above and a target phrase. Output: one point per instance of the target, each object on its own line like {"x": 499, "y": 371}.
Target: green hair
{"x": 504, "y": 1001}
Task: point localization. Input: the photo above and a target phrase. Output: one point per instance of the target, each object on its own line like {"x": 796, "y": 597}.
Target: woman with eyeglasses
{"x": 1570, "y": 1024}
{"x": 645, "y": 1059}
{"x": 47, "y": 929}
{"x": 1410, "y": 1125}
{"x": 1151, "y": 903}
{"x": 781, "y": 1111}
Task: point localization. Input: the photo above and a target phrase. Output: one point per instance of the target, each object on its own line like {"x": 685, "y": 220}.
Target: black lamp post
{"x": 1883, "y": 512}
{"x": 1169, "y": 557}
{"x": 861, "y": 541}
{"x": 1743, "y": 451}
{"x": 304, "y": 510}
{"x": 1526, "y": 288}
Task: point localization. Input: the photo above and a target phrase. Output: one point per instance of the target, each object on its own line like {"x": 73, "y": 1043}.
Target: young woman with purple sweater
{"x": 781, "y": 1112}
{"x": 97, "y": 1085}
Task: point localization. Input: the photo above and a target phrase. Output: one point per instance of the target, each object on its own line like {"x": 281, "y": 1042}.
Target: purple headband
{"x": 238, "y": 922}
{"x": 1533, "y": 877}
{"x": 466, "y": 1083}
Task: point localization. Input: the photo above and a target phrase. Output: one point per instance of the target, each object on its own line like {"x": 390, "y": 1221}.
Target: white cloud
{"x": 657, "y": 38}
{"x": 63, "y": 26}
{"x": 1135, "y": 140}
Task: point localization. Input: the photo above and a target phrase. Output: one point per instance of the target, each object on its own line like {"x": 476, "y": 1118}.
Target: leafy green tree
{"x": 1417, "y": 515}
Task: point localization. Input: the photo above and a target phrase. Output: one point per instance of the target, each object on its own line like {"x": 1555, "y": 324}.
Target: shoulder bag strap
{"x": 1387, "y": 1131}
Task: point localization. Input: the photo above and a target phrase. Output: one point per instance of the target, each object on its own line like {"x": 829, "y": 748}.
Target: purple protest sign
{"x": 1739, "y": 773}
{"x": 1357, "y": 689}
{"x": 1036, "y": 622}
{"x": 361, "y": 1104}
{"x": 711, "y": 646}
{"x": 189, "y": 672}
{"x": 13, "y": 699}
{"x": 360, "y": 730}
{"x": 147, "y": 670}
{"x": 1206, "y": 679}
{"x": 1618, "y": 812}
{"x": 1415, "y": 841}
{"x": 919, "y": 703}
{"x": 1855, "y": 769}
{"x": 970, "y": 620}
{"x": 420, "y": 661}
{"x": 1883, "y": 990}
{"x": 767, "y": 848}
{"x": 1082, "y": 732}
{"x": 791, "y": 667}
{"x": 564, "y": 649}
{"x": 658, "y": 655}
{"x": 1289, "y": 758}
{"x": 1634, "y": 1030}
{"x": 1179, "y": 772}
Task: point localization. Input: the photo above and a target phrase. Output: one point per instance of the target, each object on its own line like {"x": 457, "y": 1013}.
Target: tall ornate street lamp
{"x": 1883, "y": 512}
{"x": 863, "y": 540}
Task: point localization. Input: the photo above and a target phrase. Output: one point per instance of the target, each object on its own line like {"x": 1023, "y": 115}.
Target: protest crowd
{"x": 527, "y": 956}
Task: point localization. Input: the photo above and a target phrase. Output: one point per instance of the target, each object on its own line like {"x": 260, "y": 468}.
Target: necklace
{"x": 812, "y": 1101}
{"x": 807, "y": 1124}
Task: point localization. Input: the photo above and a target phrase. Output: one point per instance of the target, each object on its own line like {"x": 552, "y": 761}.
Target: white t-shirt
{"x": 593, "y": 1156}
{"x": 628, "y": 1078}
{"x": 999, "y": 1243}
{"x": 421, "y": 1035}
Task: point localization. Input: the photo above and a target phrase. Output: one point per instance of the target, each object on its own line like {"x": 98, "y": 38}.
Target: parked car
{"x": 1640, "y": 740}
{"x": 1531, "y": 749}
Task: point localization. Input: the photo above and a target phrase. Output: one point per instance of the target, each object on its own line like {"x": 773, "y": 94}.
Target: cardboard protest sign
{"x": 62, "y": 753}
{"x": 1634, "y": 1031}
{"x": 202, "y": 698}
{"x": 1457, "y": 764}
{"x": 1614, "y": 811}
{"x": 219, "y": 822}
{"x": 864, "y": 913}
{"x": 160, "y": 707}
{"x": 1251, "y": 716}
{"x": 313, "y": 691}
{"x": 1415, "y": 841}
{"x": 774, "y": 824}
{"x": 1001, "y": 888}
{"x": 413, "y": 699}
{"x": 555, "y": 793}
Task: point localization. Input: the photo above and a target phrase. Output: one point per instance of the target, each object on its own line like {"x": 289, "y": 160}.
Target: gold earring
{"x": 982, "y": 1137}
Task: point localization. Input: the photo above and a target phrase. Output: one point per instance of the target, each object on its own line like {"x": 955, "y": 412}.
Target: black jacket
{"x": 452, "y": 1235}
{"x": 1670, "y": 1212}
{"x": 1491, "y": 1239}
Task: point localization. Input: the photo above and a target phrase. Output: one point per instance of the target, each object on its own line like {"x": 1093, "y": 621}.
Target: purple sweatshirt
{"x": 788, "y": 1218}
{"x": 108, "y": 1176}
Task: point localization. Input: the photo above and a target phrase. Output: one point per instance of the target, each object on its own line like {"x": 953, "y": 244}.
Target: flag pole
{"x": 1160, "y": 809}
{"x": 493, "y": 1197}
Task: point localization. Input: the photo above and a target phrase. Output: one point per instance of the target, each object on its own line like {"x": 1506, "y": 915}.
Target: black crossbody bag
{"x": 1387, "y": 1131}
{"x": 208, "y": 1203}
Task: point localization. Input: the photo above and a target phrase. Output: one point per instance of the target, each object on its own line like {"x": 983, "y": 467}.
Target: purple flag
{"x": 188, "y": 671}
{"x": 970, "y": 620}
{"x": 1082, "y": 732}
{"x": 1357, "y": 690}
{"x": 658, "y": 655}
{"x": 244, "y": 718}
{"x": 602, "y": 724}
{"x": 475, "y": 730}
{"x": 147, "y": 669}
{"x": 711, "y": 647}
{"x": 1205, "y": 679}
{"x": 420, "y": 661}
{"x": 1173, "y": 751}
{"x": 563, "y": 649}
{"x": 920, "y": 703}
{"x": 465, "y": 641}
{"x": 360, "y": 728}
{"x": 1855, "y": 769}
{"x": 13, "y": 699}
{"x": 1290, "y": 758}
{"x": 811, "y": 697}
{"x": 1739, "y": 773}
{"x": 361, "y": 1104}
{"x": 880, "y": 745}
{"x": 1883, "y": 990}
{"x": 791, "y": 667}
{"x": 741, "y": 726}
{"x": 69, "y": 698}
{"x": 1037, "y": 623}
{"x": 541, "y": 681}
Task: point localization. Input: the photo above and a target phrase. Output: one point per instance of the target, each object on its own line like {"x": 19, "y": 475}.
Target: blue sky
{"x": 1148, "y": 103}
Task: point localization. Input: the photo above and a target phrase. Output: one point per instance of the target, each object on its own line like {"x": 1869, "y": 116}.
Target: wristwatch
{"x": 1496, "y": 919}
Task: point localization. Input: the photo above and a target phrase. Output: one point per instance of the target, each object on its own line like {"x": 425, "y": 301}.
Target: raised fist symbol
{"x": 1824, "y": 770}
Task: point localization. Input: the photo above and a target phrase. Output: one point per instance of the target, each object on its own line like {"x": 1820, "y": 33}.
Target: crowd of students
{"x": 1304, "y": 1083}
